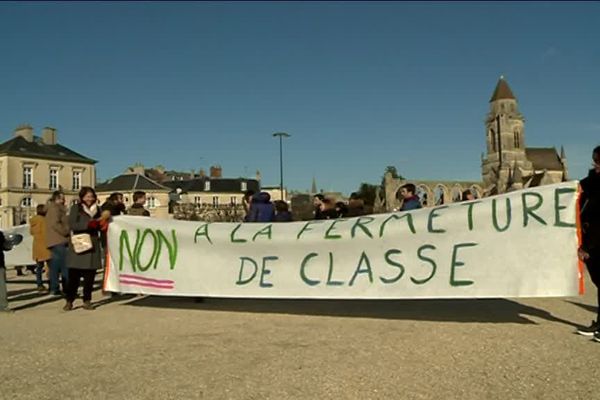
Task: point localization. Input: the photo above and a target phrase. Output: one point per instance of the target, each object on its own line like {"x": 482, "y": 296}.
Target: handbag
{"x": 81, "y": 242}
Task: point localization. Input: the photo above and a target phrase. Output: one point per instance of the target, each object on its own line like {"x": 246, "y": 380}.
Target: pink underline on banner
{"x": 142, "y": 278}
{"x": 145, "y": 284}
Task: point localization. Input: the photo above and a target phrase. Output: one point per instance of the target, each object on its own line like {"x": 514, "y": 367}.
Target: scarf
{"x": 91, "y": 211}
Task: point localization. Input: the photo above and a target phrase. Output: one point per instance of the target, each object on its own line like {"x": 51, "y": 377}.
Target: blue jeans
{"x": 39, "y": 270}
{"x": 58, "y": 265}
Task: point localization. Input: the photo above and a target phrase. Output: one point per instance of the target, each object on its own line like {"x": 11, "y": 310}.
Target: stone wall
{"x": 208, "y": 213}
{"x": 431, "y": 193}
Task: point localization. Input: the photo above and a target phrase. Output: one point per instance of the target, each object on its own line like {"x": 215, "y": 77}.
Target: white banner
{"x": 21, "y": 254}
{"x": 521, "y": 244}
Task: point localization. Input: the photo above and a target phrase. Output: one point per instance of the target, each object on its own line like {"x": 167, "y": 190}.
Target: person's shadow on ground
{"x": 450, "y": 310}
{"x": 443, "y": 310}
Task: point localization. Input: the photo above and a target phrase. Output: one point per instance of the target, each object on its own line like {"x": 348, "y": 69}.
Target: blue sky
{"x": 359, "y": 86}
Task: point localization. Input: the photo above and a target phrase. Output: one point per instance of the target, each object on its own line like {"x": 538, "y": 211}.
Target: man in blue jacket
{"x": 261, "y": 208}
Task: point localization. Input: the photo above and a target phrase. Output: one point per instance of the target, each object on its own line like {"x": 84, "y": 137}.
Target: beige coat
{"x": 37, "y": 228}
{"x": 57, "y": 225}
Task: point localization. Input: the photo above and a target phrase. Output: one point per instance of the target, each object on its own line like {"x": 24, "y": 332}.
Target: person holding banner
{"x": 85, "y": 221}
{"x": 590, "y": 226}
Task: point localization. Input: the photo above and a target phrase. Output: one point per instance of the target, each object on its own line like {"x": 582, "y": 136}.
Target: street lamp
{"x": 281, "y": 136}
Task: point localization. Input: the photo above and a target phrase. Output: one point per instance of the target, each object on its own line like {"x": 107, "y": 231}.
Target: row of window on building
{"x": 243, "y": 186}
{"x": 199, "y": 200}
{"x": 53, "y": 185}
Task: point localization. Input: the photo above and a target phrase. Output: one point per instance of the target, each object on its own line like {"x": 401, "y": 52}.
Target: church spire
{"x": 502, "y": 91}
{"x": 313, "y": 189}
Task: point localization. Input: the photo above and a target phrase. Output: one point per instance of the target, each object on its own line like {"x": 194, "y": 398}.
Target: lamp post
{"x": 281, "y": 135}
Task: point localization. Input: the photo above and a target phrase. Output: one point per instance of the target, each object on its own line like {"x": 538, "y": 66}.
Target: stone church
{"x": 507, "y": 165}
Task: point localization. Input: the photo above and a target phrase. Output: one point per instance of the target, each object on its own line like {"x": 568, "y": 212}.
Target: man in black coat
{"x": 6, "y": 244}
{"x": 590, "y": 225}
{"x": 3, "y": 291}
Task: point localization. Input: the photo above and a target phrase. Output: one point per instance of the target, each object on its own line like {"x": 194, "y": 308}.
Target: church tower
{"x": 505, "y": 136}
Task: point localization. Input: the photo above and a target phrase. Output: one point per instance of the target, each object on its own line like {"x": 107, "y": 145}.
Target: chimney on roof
{"x": 25, "y": 131}
{"x": 137, "y": 168}
{"x": 49, "y": 135}
{"x": 216, "y": 171}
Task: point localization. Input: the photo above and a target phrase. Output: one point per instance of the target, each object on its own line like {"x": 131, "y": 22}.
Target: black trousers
{"x": 75, "y": 275}
{"x": 593, "y": 267}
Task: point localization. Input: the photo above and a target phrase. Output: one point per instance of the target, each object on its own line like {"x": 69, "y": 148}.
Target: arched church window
{"x": 517, "y": 139}
{"x": 439, "y": 195}
{"x": 456, "y": 194}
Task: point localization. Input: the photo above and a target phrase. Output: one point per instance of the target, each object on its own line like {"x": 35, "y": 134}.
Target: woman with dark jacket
{"x": 85, "y": 218}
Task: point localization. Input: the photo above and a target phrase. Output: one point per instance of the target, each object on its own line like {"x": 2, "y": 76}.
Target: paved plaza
{"x": 135, "y": 347}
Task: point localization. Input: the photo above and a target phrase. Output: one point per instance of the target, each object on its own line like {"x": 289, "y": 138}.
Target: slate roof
{"x": 544, "y": 158}
{"x": 217, "y": 185}
{"x": 131, "y": 183}
{"x": 20, "y": 147}
{"x": 502, "y": 91}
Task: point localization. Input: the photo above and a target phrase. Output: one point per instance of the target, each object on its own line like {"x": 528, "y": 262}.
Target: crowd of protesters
{"x": 53, "y": 229}
{"x": 259, "y": 208}
{"x": 57, "y": 234}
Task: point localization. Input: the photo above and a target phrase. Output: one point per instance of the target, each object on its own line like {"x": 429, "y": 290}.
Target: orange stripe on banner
{"x": 580, "y": 266}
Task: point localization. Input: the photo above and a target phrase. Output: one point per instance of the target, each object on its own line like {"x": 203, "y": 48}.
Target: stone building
{"x": 212, "y": 191}
{"x": 275, "y": 193}
{"x": 211, "y": 199}
{"x": 161, "y": 175}
{"x": 507, "y": 165}
{"x": 157, "y": 195}
{"x": 33, "y": 167}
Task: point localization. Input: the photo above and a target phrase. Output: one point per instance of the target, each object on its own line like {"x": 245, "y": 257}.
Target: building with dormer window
{"x": 33, "y": 167}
